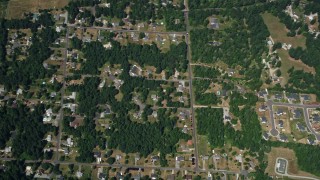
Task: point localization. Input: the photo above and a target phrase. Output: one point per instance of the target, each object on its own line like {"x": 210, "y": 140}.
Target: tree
{"x": 111, "y": 160}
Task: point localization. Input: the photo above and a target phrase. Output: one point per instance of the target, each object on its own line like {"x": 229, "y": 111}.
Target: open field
{"x": 16, "y": 8}
{"x": 278, "y": 31}
{"x": 292, "y": 160}
{"x": 202, "y": 145}
{"x": 288, "y": 62}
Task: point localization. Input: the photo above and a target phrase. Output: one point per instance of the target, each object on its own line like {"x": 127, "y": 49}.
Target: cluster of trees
{"x": 15, "y": 72}
{"x": 199, "y": 17}
{"x": 27, "y": 143}
{"x": 144, "y": 138}
{"x": 13, "y": 170}
{"x": 206, "y": 72}
{"x": 210, "y": 123}
{"x": 97, "y": 56}
{"x": 201, "y": 96}
{"x": 174, "y": 19}
{"x": 73, "y": 7}
{"x": 3, "y": 41}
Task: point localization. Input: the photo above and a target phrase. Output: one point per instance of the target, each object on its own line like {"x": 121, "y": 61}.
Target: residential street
{"x": 194, "y": 124}
{"x": 305, "y": 107}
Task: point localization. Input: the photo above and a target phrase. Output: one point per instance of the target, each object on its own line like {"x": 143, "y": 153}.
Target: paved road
{"x": 62, "y": 96}
{"x": 194, "y": 124}
{"x": 289, "y": 175}
{"x": 126, "y": 166}
{"x": 305, "y": 108}
{"x": 308, "y": 123}
{"x": 126, "y": 30}
{"x": 274, "y": 132}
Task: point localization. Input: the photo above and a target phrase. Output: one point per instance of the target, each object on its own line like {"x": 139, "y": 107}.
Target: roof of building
{"x": 301, "y": 127}
{"x": 263, "y": 119}
{"x": 283, "y": 137}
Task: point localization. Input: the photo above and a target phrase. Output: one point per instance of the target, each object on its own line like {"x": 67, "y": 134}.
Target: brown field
{"x": 290, "y": 156}
{"x": 16, "y": 8}
{"x": 278, "y": 31}
{"x": 288, "y": 62}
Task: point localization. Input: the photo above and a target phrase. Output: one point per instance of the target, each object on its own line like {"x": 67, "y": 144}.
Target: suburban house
{"x": 280, "y": 112}
{"x": 280, "y": 123}
{"x": 297, "y": 114}
{"x": 135, "y": 71}
{"x": 316, "y": 118}
{"x": 300, "y": 127}
{"x": 305, "y": 97}
{"x": 293, "y": 97}
{"x": 263, "y": 120}
{"x": 179, "y": 158}
{"x": 155, "y": 158}
{"x": 262, "y": 93}
{"x": 278, "y": 96}
{"x": 213, "y": 23}
{"x": 263, "y": 108}
{"x": 283, "y": 138}
{"x": 310, "y": 141}
{"x": 265, "y": 136}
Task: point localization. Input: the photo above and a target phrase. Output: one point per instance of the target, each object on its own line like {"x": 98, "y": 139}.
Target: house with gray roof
{"x": 300, "y": 127}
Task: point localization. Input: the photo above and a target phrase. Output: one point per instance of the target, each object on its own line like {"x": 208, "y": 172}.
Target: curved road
{"x": 305, "y": 107}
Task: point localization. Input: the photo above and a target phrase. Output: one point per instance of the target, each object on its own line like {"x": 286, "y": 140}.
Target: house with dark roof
{"x": 283, "y": 138}
{"x": 135, "y": 71}
{"x": 280, "y": 123}
{"x": 265, "y": 136}
{"x": 263, "y": 120}
{"x": 155, "y": 158}
{"x": 102, "y": 176}
{"x": 278, "y": 96}
{"x": 262, "y": 93}
{"x": 300, "y": 127}
{"x": 310, "y": 141}
{"x": 316, "y": 118}
{"x": 297, "y": 114}
{"x": 263, "y": 108}
{"x": 305, "y": 97}
{"x": 293, "y": 97}
{"x": 231, "y": 72}
{"x": 280, "y": 112}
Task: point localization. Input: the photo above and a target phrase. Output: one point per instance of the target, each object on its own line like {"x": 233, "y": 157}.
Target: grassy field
{"x": 288, "y": 62}
{"x": 278, "y": 31}
{"x": 202, "y": 145}
{"x": 16, "y": 8}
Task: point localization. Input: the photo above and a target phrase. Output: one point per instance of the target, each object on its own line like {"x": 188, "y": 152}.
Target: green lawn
{"x": 202, "y": 145}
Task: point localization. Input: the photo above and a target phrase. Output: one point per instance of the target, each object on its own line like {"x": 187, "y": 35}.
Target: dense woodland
{"x": 202, "y": 96}
{"x": 242, "y": 47}
{"x": 210, "y": 123}
{"x": 26, "y": 143}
